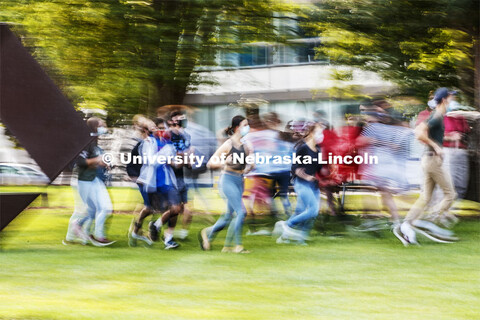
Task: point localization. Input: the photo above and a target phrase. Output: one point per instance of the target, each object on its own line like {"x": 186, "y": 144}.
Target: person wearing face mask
{"x": 390, "y": 144}
{"x": 268, "y": 178}
{"x": 455, "y": 161}
{"x": 181, "y": 142}
{"x": 431, "y": 133}
{"x": 141, "y": 124}
{"x": 306, "y": 186}
{"x": 424, "y": 114}
{"x": 158, "y": 181}
{"x": 231, "y": 187}
{"x": 92, "y": 190}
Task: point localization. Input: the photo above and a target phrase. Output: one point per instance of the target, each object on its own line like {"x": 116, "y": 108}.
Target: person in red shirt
{"x": 423, "y": 115}
{"x": 455, "y": 151}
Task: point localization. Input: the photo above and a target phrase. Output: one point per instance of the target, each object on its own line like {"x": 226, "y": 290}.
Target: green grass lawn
{"x": 125, "y": 199}
{"x": 348, "y": 277}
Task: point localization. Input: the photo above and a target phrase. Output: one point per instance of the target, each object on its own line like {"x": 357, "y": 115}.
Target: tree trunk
{"x": 476, "y": 80}
{"x": 166, "y": 95}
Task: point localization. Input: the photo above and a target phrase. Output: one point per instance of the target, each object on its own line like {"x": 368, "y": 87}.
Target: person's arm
{"x": 421, "y": 133}
{"x": 96, "y": 162}
{"x": 215, "y": 161}
{"x": 363, "y": 141}
{"x": 83, "y": 161}
{"x": 248, "y": 151}
{"x": 300, "y": 172}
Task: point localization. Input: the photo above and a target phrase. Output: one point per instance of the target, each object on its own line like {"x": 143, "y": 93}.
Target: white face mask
{"x": 432, "y": 104}
{"x": 101, "y": 130}
{"x": 244, "y": 131}
{"x": 319, "y": 136}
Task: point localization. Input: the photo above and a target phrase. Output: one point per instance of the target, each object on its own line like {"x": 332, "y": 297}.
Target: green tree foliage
{"x": 420, "y": 45}
{"x": 133, "y": 56}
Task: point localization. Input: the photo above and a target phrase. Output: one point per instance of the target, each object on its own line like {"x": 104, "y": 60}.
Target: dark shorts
{"x": 167, "y": 196}
{"x": 145, "y": 196}
{"x": 182, "y": 191}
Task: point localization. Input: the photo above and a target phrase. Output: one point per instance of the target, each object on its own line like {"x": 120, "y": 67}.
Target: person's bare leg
{"x": 387, "y": 200}
{"x": 170, "y": 217}
{"x": 168, "y": 233}
{"x": 187, "y": 218}
{"x": 145, "y": 212}
{"x": 250, "y": 211}
{"x": 331, "y": 204}
{"x": 174, "y": 211}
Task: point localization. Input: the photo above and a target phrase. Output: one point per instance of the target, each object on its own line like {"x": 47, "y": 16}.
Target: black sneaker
{"x": 171, "y": 245}
{"x": 153, "y": 231}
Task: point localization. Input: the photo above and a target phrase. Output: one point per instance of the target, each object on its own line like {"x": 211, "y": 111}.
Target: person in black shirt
{"x": 92, "y": 189}
{"x": 431, "y": 133}
{"x": 298, "y": 226}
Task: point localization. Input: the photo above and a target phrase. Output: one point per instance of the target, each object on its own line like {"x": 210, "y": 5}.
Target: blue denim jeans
{"x": 231, "y": 189}
{"x": 95, "y": 196}
{"x": 308, "y": 205}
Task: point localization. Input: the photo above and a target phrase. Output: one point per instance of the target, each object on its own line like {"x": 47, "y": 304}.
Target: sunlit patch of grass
{"x": 345, "y": 277}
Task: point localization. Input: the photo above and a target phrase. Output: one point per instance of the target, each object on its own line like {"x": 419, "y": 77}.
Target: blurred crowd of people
{"x": 250, "y": 190}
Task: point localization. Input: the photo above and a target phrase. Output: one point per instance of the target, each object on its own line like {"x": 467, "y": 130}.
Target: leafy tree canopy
{"x": 133, "y": 56}
{"x": 419, "y": 44}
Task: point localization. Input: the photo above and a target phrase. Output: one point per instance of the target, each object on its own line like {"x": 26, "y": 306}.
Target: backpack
{"x": 133, "y": 169}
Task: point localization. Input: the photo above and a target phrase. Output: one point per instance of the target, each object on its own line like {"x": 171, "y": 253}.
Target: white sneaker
{"x": 100, "y": 242}
{"x": 434, "y": 232}
{"x": 261, "y": 232}
{"x": 408, "y": 233}
{"x": 292, "y": 234}
{"x": 432, "y": 237}
{"x": 70, "y": 241}
{"x": 181, "y": 234}
{"x": 448, "y": 220}
{"x": 80, "y": 233}
{"x": 398, "y": 233}
{"x": 432, "y": 228}
{"x": 280, "y": 240}
{"x": 279, "y": 228}
{"x": 141, "y": 238}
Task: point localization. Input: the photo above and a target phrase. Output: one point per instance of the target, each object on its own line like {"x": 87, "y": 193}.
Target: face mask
{"x": 100, "y": 131}
{"x": 183, "y": 123}
{"x": 432, "y": 104}
{"x": 163, "y": 134}
{"x": 244, "y": 131}
{"x": 319, "y": 137}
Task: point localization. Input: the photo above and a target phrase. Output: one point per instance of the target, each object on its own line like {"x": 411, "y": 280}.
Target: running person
{"x": 79, "y": 212}
{"x": 390, "y": 144}
{"x": 92, "y": 190}
{"x": 135, "y": 233}
{"x": 431, "y": 133}
{"x": 158, "y": 179}
{"x": 306, "y": 187}
{"x": 181, "y": 141}
{"x": 231, "y": 188}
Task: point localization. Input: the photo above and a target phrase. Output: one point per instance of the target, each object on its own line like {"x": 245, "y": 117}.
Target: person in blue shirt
{"x": 158, "y": 179}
